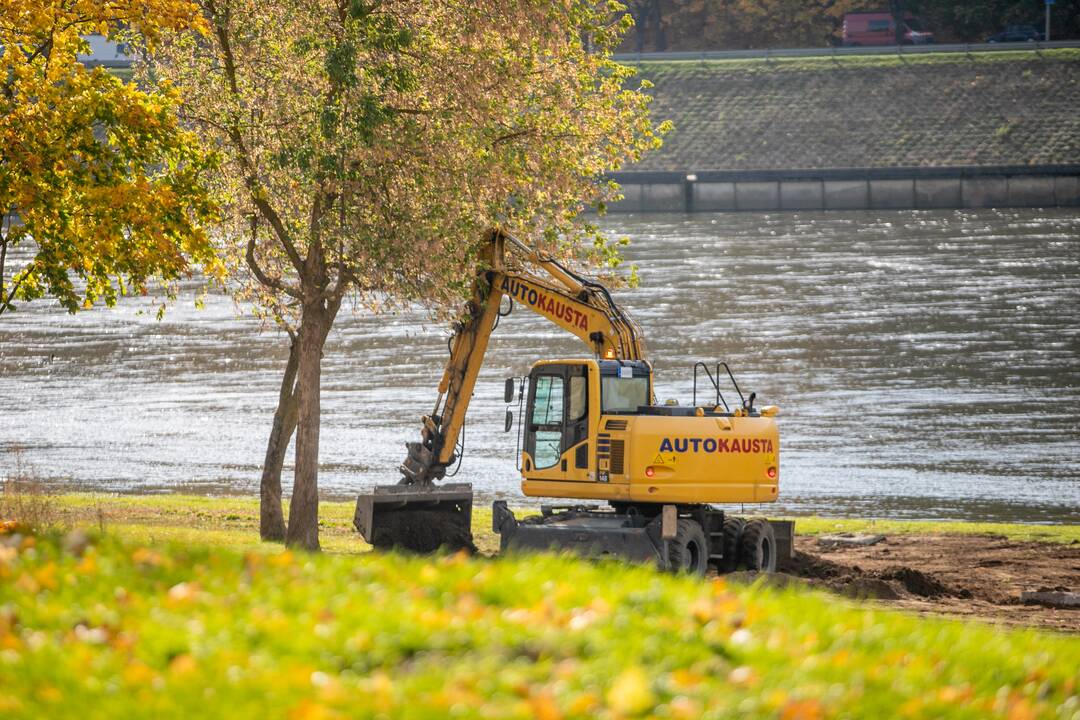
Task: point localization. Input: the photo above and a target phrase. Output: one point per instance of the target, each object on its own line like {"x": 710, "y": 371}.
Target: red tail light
{"x": 649, "y": 472}
{"x": 771, "y": 472}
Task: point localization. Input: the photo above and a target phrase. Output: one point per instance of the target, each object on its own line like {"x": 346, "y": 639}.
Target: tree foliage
{"x": 97, "y": 173}
{"x": 743, "y": 24}
{"x": 369, "y": 144}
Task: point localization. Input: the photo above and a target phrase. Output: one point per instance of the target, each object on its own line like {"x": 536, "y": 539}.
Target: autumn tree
{"x": 368, "y": 145}
{"x": 975, "y": 20}
{"x": 740, "y": 24}
{"x": 98, "y": 182}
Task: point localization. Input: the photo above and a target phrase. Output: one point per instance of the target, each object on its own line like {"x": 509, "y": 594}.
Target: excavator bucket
{"x": 418, "y": 518}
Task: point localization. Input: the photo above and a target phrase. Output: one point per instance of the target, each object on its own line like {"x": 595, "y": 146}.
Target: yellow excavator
{"x": 590, "y": 429}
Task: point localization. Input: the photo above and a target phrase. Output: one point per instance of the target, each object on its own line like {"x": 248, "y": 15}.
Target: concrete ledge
{"x": 802, "y": 195}
{"x": 892, "y": 194}
{"x": 844, "y": 189}
{"x": 846, "y": 194}
{"x": 757, "y": 196}
{"x": 1067, "y": 190}
{"x": 714, "y": 196}
{"x": 666, "y": 197}
{"x": 1031, "y": 191}
{"x": 985, "y": 192}
{"x": 938, "y": 193}
{"x": 631, "y": 201}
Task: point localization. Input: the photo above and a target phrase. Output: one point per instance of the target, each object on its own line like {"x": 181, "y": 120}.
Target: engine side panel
{"x": 704, "y": 459}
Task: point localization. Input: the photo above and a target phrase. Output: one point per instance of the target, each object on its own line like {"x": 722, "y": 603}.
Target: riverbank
{"x": 172, "y": 630}
{"x": 978, "y": 109}
{"x": 234, "y": 522}
{"x": 966, "y": 130}
{"x": 972, "y": 570}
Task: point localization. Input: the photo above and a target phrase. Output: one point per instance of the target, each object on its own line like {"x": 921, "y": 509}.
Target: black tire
{"x": 733, "y": 530}
{"x": 687, "y": 551}
{"x": 758, "y": 547}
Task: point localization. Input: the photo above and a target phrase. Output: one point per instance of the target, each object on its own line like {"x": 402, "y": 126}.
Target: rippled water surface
{"x": 927, "y": 365}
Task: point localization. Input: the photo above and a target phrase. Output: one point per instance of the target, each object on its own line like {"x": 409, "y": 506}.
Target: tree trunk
{"x": 660, "y": 38}
{"x": 897, "y": 9}
{"x": 303, "y": 528}
{"x": 315, "y": 322}
{"x": 271, "y": 519}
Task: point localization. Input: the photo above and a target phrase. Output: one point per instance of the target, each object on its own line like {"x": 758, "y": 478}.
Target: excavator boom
{"x": 418, "y": 514}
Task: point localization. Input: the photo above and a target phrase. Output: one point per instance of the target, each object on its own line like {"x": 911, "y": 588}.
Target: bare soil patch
{"x": 972, "y": 576}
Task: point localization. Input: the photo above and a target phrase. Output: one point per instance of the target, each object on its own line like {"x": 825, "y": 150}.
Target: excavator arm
{"x": 582, "y": 307}
{"x": 419, "y": 515}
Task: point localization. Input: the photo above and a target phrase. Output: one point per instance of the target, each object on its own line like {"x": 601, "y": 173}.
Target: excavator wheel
{"x": 687, "y": 551}
{"x": 758, "y": 546}
{"x": 733, "y": 531}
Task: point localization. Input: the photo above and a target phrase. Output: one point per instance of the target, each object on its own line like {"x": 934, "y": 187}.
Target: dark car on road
{"x": 1016, "y": 33}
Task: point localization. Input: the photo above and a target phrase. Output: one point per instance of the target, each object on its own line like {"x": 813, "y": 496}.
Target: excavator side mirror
{"x": 509, "y": 423}
{"x": 509, "y": 391}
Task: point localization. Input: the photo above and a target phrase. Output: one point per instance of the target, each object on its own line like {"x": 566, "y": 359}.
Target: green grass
{"x": 1013, "y": 531}
{"x": 183, "y": 631}
{"x": 125, "y": 74}
{"x": 234, "y": 522}
{"x": 856, "y": 61}
{"x": 866, "y": 111}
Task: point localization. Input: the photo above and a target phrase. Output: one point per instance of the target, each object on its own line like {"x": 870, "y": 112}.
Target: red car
{"x": 878, "y": 28}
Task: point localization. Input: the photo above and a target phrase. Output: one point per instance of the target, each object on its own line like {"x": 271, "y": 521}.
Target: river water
{"x": 927, "y": 365}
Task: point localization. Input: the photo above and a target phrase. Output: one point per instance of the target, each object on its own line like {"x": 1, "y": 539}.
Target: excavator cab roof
{"x": 608, "y": 368}
{"x": 618, "y": 368}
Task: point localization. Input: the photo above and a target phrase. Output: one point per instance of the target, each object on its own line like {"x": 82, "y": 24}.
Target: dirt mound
{"x": 916, "y": 582}
{"x": 422, "y": 531}
{"x": 973, "y": 576}
{"x": 851, "y": 580}
{"x": 868, "y": 588}
{"x": 773, "y": 580}
{"x": 805, "y": 565}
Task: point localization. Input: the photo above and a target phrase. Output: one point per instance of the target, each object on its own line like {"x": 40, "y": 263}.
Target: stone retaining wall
{"x": 850, "y": 189}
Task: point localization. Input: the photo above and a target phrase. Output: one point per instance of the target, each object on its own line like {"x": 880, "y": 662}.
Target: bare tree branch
{"x": 252, "y": 179}
{"x": 272, "y": 282}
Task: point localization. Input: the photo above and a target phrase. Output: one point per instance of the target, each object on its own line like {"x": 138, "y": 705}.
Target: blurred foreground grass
{"x": 117, "y": 628}
{"x": 234, "y": 522}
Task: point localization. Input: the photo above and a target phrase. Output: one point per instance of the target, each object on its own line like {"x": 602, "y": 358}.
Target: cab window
{"x": 547, "y": 417}
{"x": 623, "y": 395}
{"x": 578, "y": 398}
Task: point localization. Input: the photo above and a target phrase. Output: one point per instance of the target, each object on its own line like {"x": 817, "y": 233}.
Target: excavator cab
{"x": 566, "y": 399}
{"x": 556, "y": 420}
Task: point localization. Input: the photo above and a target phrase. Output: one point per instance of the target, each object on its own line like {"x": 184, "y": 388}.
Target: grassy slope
{"x": 1009, "y": 108}
{"x": 234, "y": 522}
{"x": 860, "y": 61}
{"x": 187, "y": 631}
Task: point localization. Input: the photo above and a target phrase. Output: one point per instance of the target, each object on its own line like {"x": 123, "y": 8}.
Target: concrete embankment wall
{"x": 937, "y": 131}
{"x": 899, "y": 188}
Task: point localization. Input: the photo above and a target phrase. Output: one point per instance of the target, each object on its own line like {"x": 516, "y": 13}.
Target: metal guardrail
{"x": 766, "y": 54}
{"x": 119, "y": 61}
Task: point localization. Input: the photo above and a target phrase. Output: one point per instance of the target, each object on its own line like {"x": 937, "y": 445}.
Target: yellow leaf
{"x": 632, "y": 692}
{"x": 544, "y": 707}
